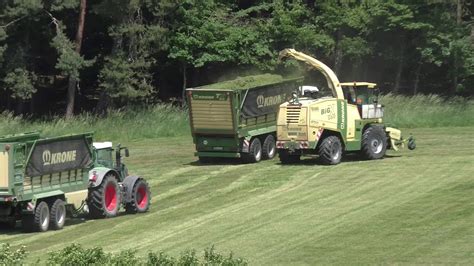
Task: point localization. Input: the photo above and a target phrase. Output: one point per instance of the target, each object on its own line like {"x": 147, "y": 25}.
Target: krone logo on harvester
{"x": 58, "y": 157}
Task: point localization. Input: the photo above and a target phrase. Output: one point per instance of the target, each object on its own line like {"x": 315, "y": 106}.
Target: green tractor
{"x": 110, "y": 185}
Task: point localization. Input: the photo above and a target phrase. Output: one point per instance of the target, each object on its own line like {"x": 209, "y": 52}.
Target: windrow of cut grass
{"x": 427, "y": 111}
{"x": 158, "y": 121}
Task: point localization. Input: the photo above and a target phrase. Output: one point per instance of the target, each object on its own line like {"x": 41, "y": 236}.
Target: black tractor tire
{"x": 269, "y": 148}
{"x": 374, "y": 143}
{"x": 330, "y": 150}
{"x": 255, "y": 152}
{"x": 140, "y": 198}
{"x": 38, "y": 221}
{"x": 58, "y": 214}
{"x": 104, "y": 200}
{"x": 287, "y": 158}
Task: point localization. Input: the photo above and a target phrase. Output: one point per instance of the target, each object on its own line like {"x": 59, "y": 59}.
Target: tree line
{"x": 68, "y": 56}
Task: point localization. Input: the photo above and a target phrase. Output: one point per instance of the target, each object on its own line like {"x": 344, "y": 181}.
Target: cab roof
{"x": 360, "y": 84}
{"x": 102, "y": 145}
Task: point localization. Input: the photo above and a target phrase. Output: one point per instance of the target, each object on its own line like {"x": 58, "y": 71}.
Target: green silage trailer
{"x": 44, "y": 179}
{"x": 237, "y": 118}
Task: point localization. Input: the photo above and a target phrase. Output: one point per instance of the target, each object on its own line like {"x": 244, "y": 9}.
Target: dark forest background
{"x": 69, "y": 56}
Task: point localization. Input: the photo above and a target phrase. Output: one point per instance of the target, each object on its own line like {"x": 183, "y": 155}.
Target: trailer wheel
{"x": 58, "y": 214}
{"x": 288, "y": 158}
{"x": 140, "y": 198}
{"x": 374, "y": 143}
{"x": 269, "y": 148}
{"x": 39, "y": 220}
{"x": 330, "y": 150}
{"x": 104, "y": 200}
{"x": 255, "y": 152}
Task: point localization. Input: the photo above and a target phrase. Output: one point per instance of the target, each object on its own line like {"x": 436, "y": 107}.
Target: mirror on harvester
{"x": 127, "y": 153}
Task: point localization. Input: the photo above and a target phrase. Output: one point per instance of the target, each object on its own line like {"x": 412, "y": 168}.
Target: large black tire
{"x": 104, "y": 200}
{"x": 255, "y": 152}
{"x": 288, "y": 158}
{"x": 140, "y": 198}
{"x": 39, "y": 220}
{"x": 269, "y": 148}
{"x": 330, "y": 150}
{"x": 58, "y": 214}
{"x": 374, "y": 143}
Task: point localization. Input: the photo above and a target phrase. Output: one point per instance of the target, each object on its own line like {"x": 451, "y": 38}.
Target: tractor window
{"x": 350, "y": 94}
{"x": 104, "y": 157}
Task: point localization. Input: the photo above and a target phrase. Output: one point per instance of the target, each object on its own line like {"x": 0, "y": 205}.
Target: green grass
{"x": 428, "y": 111}
{"x": 244, "y": 83}
{"x": 120, "y": 125}
{"x": 413, "y": 207}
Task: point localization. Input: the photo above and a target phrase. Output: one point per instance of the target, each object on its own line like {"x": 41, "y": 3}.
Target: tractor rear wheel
{"x": 140, "y": 198}
{"x": 374, "y": 143}
{"x": 288, "y": 158}
{"x": 330, "y": 150}
{"x": 39, "y": 220}
{"x": 104, "y": 200}
{"x": 255, "y": 152}
{"x": 269, "y": 148}
{"x": 58, "y": 214}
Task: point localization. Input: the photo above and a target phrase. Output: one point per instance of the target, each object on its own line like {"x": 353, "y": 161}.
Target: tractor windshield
{"x": 104, "y": 157}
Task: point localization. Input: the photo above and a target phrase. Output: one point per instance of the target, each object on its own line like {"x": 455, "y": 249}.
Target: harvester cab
{"x": 349, "y": 119}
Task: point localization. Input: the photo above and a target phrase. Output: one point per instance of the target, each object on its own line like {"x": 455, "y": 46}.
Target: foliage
{"x": 75, "y": 254}
{"x": 20, "y": 83}
{"x": 69, "y": 62}
{"x": 245, "y": 82}
{"x": 12, "y": 257}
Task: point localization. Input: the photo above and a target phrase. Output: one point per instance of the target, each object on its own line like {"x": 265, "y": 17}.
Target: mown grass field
{"x": 413, "y": 207}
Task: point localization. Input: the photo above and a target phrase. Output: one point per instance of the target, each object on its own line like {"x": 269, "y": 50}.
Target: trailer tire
{"x": 269, "y": 148}
{"x": 287, "y": 158}
{"x": 140, "y": 198}
{"x": 255, "y": 152}
{"x": 330, "y": 150}
{"x": 374, "y": 143}
{"x": 104, "y": 200}
{"x": 58, "y": 214}
{"x": 39, "y": 220}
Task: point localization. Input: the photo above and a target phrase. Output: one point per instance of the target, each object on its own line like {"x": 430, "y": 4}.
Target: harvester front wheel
{"x": 140, "y": 198}
{"x": 269, "y": 148}
{"x": 330, "y": 150}
{"x": 104, "y": 200}
{"x": 288, "y": 158}
{"x": 374, "y": 143}
{"x": 58, "y": 214}
{"x": 255, "y": 152}
{"x": 39, "y": 220}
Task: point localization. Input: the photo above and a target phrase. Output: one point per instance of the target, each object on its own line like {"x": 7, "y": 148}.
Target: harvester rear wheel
{"x": 255, "y": 152}
{"x": 38, "y": 221}
{"x": 58, "y": 214}
{"x": 330, "y": 150}
{"x": 374, "y": 143}
{"x": 140, "y": 198}
{"x": 269, "y": 148}
{"x": 287, "y": 158}
{"x": 104, "y": 200}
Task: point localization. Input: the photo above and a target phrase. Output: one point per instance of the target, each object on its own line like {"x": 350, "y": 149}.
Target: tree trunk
{"x": 71, "y": 89}
{"x": 338, "y": 54}
{"x": 183, "y": 93}
{"x": 401, "y": 62}
{"x": 417, "y": 79}
{"x": 459, "y": 4}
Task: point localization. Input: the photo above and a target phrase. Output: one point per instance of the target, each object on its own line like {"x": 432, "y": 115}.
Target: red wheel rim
{"x": 110, "y": 197}
{"x": 142, "y": 197}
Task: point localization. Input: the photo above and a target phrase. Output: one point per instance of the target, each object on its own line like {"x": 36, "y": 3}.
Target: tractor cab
{"x": 365, "y": 96}
{"x": 104, "y": 156}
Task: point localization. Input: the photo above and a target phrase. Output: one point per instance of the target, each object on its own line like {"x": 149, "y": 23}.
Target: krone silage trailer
{"x": 237, "y": 118}
{"x": 43, "y": 179}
